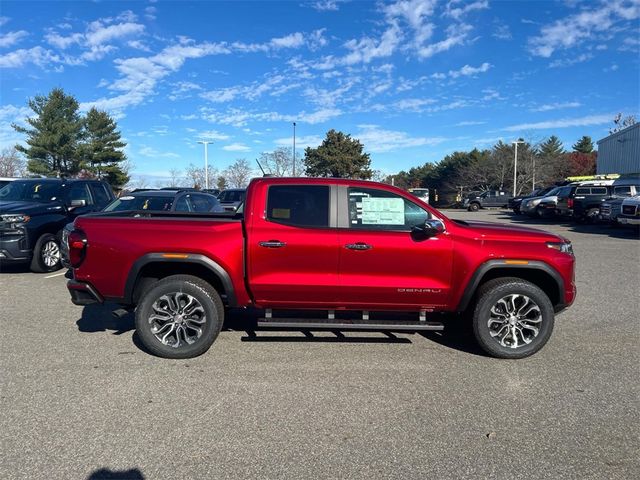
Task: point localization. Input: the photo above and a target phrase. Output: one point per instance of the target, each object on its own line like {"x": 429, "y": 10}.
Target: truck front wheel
{"x": 180, "y": 317}
{"x": 513, "y": 318}
{"x": 474, "y": 207}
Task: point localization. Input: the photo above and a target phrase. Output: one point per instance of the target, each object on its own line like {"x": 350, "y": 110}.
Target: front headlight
{"x": 564, "y": 247}
{"x": 15, "y": 218}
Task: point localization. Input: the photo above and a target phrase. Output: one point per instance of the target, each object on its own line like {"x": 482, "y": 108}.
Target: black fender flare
{"x": 489, "y": 265}
{"x": 190, "y": 258}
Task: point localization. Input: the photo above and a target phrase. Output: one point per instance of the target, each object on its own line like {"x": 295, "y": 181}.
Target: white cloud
{"x": 236, "y": 147}
{"x": 63, "y": 42}
{"x": 413, "y": 104}
{"x": 455, "y": 36}
{"x": 502, "y": 32}
{"x": 36, "y": 55}
{"x": 468, "y": 70}
{"x": 458, "y": 12}
{"x": 568, "y": 62}
{"x": 378, "y": 140}
{"x": 583, "y": 26}
{"x": 301, "y": 141}
{"x": 11, "y": 38}
{"x": 293, "y": 40}
{"x": 556, "y": 106}
{"x": 240, "y": 118}
{"x": 468, "y": 123}
{"x": 213, "y": 135}
{"x": 326, "y": 5}
{"x": 99, "y": 34}
{"x": 563, "y": 123}
{"x": 10, "y": 114}
{"x": 4, "y": 20}
{"x": 146, "y": 151}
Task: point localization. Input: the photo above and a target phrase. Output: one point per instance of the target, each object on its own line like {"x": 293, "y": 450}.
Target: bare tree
{"x": 175, "y": 176}
{"x": 278, "y": 163}
{"x": 621, "y": 122}
{"x": 11, "y": 163}
{"x": 239, "y": 173}
{"x": 196, "y": 176}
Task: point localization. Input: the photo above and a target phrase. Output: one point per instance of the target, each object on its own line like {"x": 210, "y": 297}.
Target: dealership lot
{"x": 80, "y": 398}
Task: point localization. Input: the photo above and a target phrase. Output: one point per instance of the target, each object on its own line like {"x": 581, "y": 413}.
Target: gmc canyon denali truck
{"x": 335, "y": 245}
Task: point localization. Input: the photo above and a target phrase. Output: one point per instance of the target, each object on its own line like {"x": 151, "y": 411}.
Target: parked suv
{"x": 33, "y": 213}
{"x": 582, "y": 202}
{"x": 166, "y": 200}
{"x": 489, "y": 198}
{"x": 232, "y": 198}
{"x": 515, "y": 203}
{"x": 624, "y": 187}
{"x": 630, "y": 213}
{"x": 529, "y": 206}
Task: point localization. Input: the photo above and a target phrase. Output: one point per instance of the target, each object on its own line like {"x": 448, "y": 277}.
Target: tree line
{"x": 60, "y": 141}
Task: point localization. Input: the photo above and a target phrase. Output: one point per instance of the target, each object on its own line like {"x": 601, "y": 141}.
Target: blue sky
{"x": 412, "y": 79}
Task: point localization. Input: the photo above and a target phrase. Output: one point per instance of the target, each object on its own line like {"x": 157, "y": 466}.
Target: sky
{"x": 413, "y": 80}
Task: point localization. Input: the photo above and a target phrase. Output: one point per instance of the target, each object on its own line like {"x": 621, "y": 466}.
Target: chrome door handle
{"x": 272, "y": 244}
{"x": 358, "y": 246}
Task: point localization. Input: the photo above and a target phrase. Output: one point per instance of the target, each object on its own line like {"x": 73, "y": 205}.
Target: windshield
{"x": 41, "y": 192}
{"x": 231, "y": 196}
{"x": 552, "y": 192}
{"x": 131, "y": 202}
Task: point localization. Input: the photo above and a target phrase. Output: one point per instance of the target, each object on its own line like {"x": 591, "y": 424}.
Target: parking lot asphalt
{"x": 79, "y": 399}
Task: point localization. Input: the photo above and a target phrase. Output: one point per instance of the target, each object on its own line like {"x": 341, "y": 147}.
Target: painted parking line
{"x": 55, "y": 275}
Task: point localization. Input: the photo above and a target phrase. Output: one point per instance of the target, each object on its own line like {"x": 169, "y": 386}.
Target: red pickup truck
{"x": 335, "y": 245}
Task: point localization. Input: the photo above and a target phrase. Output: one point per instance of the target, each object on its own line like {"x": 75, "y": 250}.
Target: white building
{"x": 620, "y": 152}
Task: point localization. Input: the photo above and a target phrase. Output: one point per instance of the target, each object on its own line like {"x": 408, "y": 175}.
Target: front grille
{"x": 629, "y": 209}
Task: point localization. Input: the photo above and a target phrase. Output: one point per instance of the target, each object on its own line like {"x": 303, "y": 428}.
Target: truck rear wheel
{"x": 180, "y": 317}
{"x": 512, "y": 318}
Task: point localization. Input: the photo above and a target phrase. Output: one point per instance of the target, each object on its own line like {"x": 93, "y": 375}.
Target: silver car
{"x": 529, "y": 206}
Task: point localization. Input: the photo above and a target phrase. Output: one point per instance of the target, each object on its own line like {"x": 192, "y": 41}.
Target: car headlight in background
{"x": 15, "y": 218}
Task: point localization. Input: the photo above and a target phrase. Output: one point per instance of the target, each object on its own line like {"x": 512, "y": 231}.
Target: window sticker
{"x": 284, "y": 213}
{"x": 382, "y": 211}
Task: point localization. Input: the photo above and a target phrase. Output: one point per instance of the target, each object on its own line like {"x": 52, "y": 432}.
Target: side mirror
{"x": 78, "y": 203}
{"x": 431, "y": 228}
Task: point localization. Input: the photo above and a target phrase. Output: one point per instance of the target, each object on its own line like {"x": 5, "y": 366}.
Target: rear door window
{"x": 583, "y": 191}
{"x": 299, "y": 205}
{"x": 624, "y": 191}
{"x": 80, "y": 191}
{"x": 598, "y": 190}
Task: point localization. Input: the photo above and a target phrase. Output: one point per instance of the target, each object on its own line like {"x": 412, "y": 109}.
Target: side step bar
{"x": 332, "y": 324}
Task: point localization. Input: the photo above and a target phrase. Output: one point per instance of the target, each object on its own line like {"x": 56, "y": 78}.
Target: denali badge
{"x": 419, "y": 290}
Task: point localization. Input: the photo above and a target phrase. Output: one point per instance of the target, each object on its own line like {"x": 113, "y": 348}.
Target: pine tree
{"x": 52, "y": 142}
{"x": 339, "y": 155}
{"x": 584, "y": 145}
{"x": 552, "y": 148}
{"x": 101, "y": 151}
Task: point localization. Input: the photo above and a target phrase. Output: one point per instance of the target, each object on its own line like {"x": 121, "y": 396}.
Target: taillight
{"x": 570, "y": 203}
{"x": 77, "y": 243}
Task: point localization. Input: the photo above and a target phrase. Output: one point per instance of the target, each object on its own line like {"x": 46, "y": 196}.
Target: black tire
{"x": 489, "y": 295}
{"x": 182, "y": 285}
{"x": 539, "y": 212}
{"x": 591, "y": 215}
{"x": 474, "y": 207}
{"x": 44, "y": 254}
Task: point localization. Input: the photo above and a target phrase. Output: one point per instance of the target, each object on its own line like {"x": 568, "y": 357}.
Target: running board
{"x": 332, "y": 324}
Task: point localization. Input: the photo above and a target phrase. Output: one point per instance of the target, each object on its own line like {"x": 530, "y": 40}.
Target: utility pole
{"x": 294, "y": 149}
{"x": 515, "y": 166}
{"x": 533, "y": 178}
{"x": 206, "y": 161}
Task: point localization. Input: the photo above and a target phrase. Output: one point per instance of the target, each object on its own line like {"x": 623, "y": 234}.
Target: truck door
{"x": 384, "y": 264}
{"x": 293, "y": 248}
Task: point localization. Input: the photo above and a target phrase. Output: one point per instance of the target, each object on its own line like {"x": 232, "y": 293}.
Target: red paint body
{"x": 314, "y": 269}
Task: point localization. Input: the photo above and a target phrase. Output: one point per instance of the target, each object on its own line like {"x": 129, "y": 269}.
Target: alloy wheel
{"x": 177, "y": 319}
{"x": 51, "y": 253}
{"x": 514, "y": 321}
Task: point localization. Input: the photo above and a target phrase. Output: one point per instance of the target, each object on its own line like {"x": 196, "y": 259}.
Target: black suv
{"x": 583, "y": 201}
{"x": 33, "y": 213}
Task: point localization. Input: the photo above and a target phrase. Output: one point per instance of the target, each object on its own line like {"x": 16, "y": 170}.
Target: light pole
{"x": 515, "y": 166}
{"x": 206, "y": 162}
{"x": 294, "y": 149}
